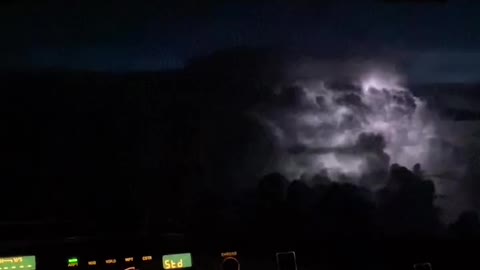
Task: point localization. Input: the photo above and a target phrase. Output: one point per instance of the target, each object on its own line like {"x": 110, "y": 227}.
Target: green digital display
{"x": 19, "y": 262}
{"x": 177, "y": 261}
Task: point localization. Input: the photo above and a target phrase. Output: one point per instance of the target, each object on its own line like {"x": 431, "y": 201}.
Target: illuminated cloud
{"x": 349, "y": 132}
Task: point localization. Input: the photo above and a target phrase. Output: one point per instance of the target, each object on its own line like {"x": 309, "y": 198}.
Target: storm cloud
{"x": 351, "y": 129}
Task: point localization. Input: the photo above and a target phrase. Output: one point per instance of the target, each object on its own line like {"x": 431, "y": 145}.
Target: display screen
{"x": 176, "y": 261}
{"x": 19, "y": 262}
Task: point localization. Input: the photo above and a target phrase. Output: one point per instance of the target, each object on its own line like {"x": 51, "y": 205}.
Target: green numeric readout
{"x": 16, "y": 263}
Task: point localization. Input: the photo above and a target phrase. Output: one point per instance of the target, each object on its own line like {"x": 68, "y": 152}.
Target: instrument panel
{"x": 227, "y": 260}
{"x": 184, "y": 260}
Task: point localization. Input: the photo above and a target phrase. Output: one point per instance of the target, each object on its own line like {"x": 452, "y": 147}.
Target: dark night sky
{"x": 439, "y": 40}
